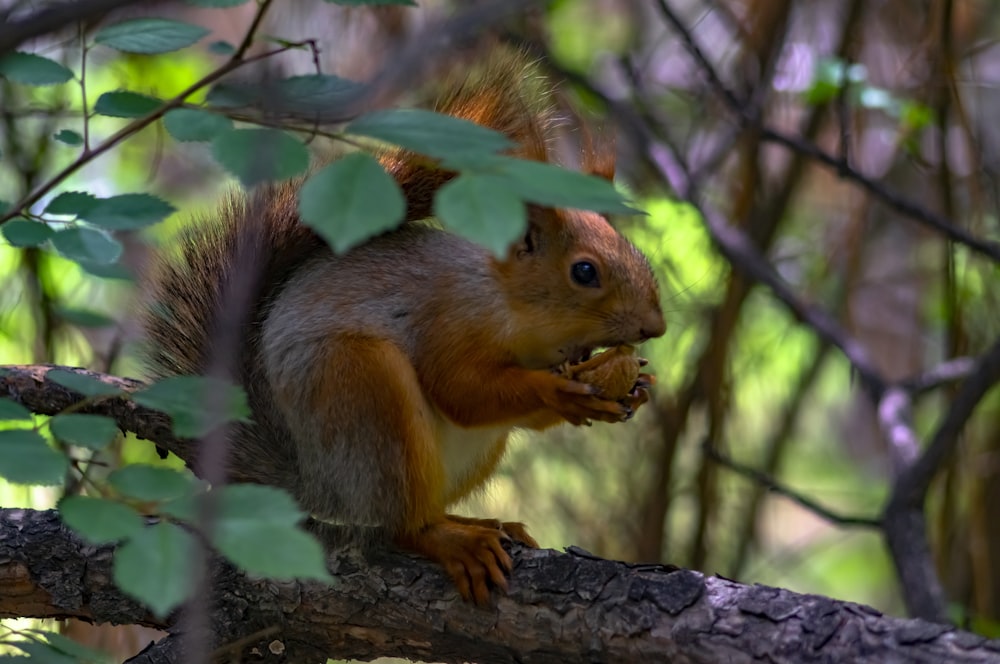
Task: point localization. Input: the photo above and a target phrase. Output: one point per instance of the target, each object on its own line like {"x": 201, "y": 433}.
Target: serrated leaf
{"x": 71, "y": 203}
{"x": 548, "y": 184}
{"x": 255, "y": 528}
{"x": 190, "y": 124}
{"x": 32, "y": 69}
{"x": 313, "y": 92}
{"x": 258, "y": 503}
{"x": 430, "y": 133}
{"x": 195, "y": 404}
{"x": 351, "y": 200}
{"x": 128, "y": 211}
{"x": 25, "y": 458}
{"x": 92, "y": 431}
{"x": 260, "y": 155}
{"x": 88, "y": 386}
{"x": 25, "y": 233}
{"x": 68, "y": 137}
{"x": 86, "y": 245}
{"x": 84, "y": 317}
{"x": 272, "y": 550}
{"x": 11, "y": 410}
{"x": 149, "y": 35}
{"x": 145, "y": 482}
{"x": 156, "y": 566}
{"x": 482, "y": 208}
{"x": 125, "y": 104}
{"x": 297, "y": 95}
{"x": 98, "y": 520}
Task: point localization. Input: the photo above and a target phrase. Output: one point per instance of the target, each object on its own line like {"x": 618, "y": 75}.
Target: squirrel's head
{"x": 588, "y": 285}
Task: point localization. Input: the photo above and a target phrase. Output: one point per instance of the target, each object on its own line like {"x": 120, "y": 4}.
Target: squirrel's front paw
{"x": 579, "y": 403}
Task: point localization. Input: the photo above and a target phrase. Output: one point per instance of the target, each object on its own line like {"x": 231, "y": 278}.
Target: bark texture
{"x": 561, "y": 607}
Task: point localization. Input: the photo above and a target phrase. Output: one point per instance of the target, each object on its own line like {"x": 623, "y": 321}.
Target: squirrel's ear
{"x": 598, "y": 152}
{"x": 542, "y": 222}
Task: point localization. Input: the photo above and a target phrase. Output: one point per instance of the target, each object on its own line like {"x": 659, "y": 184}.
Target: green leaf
{"x": 430, "y": 133}
{"x": 86, "y": 385}
{"x": 91, "y": 431}
{"x": 156, "y": 566}
{"x": 221, "y": 48}
{"x": 196, "y": 404}
{"x": 483, "y": 209}
{"x": 98, "y": 520}
{"x": 42, "y": 653}
{"x": 272, "y": 550}
{"x": 71, "y": 203}
{"x": 256, "y": 503}
{"x": 255, "y": 528}
{"x": 69, "y": 137}
{"x": 82, "y": 655}
{"x": 84, "y": 317}
{"x": 548, "y": 184}
{"x": 25, "y": 233}
{"x": 313, "y": 92}
{"x": 260, "y": 155}
{"x": 25, "y": 458}
{"x": 11, "y": 410}
{"x": 149, "y": 35}
{"x": 299, "y": 95}
{"x": 86, "y": 244}
{"x": 128, "y": 211}
{"x": 125, "y": 104}
{"x": 144, "y": 482}
{"x": 105, "y": 271}
{"x": 190, "y": 124}
{"x": 31, "y": 69}
{"x": 357, "y": 3}
{"x": 351, "y": 200}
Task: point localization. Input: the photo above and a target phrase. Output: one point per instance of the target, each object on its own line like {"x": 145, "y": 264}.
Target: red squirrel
{"x": 384, "y": 381}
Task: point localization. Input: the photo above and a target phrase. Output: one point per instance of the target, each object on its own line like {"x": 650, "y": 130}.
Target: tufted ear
{"x": 598, "y": 156}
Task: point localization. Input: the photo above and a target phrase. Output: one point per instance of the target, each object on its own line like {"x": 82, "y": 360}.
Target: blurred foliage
{"x": 782, "y": 399}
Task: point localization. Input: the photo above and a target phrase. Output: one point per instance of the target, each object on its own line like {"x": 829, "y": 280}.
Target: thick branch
{"x": 561, "y": 607}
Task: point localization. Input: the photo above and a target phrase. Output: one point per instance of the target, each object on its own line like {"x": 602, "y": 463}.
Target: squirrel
{"x": 383, "y": 382}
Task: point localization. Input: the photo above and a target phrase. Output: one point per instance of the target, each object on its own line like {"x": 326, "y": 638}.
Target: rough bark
{"x": 561, "y": 607}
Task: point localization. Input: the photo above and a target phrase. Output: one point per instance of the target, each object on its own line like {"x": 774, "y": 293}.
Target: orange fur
{"x": 384, "y": 381}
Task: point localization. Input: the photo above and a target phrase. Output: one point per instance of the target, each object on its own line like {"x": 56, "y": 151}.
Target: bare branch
{"x": 561, "y": 607}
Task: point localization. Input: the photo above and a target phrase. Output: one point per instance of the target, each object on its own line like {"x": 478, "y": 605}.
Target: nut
{"x": 614, "y": 372}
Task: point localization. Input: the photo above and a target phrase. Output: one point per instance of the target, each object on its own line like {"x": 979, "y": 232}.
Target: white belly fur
{"x": 463, "y": 451}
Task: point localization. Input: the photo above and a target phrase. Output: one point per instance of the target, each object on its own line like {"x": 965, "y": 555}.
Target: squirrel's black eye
{"x": 585, "y": 274}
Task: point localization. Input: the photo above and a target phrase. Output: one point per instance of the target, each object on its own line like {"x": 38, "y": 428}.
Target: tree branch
{"x": 561, "y": 607}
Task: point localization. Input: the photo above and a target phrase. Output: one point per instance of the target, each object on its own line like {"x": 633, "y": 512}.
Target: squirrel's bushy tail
{"x": 206, "y": 298}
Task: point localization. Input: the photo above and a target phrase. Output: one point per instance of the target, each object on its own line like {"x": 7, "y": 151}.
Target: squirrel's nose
{"x": 654, "y": 326}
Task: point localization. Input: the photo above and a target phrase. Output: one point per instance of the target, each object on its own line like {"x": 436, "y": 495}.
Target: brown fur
{"x": 384, "y": 382}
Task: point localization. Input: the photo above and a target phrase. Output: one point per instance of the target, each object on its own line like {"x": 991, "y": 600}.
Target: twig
{"x": 749, "y": 118}
{"x": 132, "y": 128}
{"x": 799, "y": 499}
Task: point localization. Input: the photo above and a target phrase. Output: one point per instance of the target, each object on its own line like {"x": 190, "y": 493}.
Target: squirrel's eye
{"x": 585, "y": 274}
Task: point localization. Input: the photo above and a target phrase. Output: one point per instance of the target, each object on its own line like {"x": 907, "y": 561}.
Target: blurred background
{"x": 905, "y": 93}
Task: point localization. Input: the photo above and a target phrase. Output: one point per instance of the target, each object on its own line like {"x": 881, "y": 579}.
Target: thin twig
{"x": 799, "y": 499}
{"x": 130, "y": 129}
